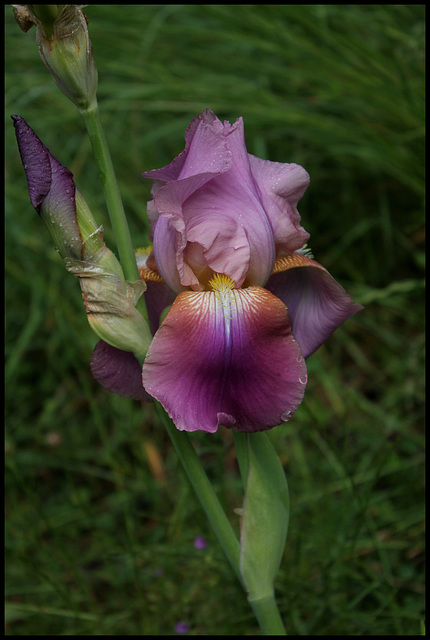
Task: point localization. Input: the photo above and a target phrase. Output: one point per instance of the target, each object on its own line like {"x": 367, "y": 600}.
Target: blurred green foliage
{"x": 99, "y": 536}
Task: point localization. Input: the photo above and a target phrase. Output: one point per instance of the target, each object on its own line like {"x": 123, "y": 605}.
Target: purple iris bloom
{"x": 250, "y": 303}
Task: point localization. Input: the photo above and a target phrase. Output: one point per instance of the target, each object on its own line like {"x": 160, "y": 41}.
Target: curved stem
{"x": 204, "y": 492}
{"x": 267, "y": 613}
{"x": 113, "y": 198}
{"x": 265, "y": 609}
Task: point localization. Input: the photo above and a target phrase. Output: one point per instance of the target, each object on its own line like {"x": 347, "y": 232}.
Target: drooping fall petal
{"x": 228, "y": 357}
{"x": 317, "y": 304}
{"x": 118, "y": 371}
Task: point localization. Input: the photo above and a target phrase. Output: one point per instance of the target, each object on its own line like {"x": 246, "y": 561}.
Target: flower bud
{"x": 65, "y": 48}
{"x": 110, "y": 301}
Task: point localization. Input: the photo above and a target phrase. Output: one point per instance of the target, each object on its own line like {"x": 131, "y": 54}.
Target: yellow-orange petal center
{"x": 293, "y": 261}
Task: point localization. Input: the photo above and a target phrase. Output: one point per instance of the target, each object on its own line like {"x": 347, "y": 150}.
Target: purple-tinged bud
{"x": 51, "y": 189}
{"x": 110, "y": 301}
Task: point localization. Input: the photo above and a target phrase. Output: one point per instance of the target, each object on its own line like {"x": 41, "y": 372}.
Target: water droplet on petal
{"x": 286, "y": 416}
{"x": 303, "y": 379}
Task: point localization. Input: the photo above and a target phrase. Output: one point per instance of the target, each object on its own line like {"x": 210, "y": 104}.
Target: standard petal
{"x": 317, "y": 304}
{"x": 281, "y": 186}
{"x": 231, "y": 200}
{"x": 173, "y": 170}
{"x": 226, "y": 356}
{"x": 118, "y": 371}
{"x": 207, "y": 216}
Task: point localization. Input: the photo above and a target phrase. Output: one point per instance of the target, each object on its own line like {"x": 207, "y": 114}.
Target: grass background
{"x": 100, "y": 518}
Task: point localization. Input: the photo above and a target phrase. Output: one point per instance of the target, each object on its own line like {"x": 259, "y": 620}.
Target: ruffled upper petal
{"x": 281, "y": 186}
{"x": 226, "y": 356}
{"x": 317, "y": 304}
{"x": 207, "y": 216}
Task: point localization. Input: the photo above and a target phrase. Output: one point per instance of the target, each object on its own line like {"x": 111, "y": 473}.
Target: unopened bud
{"x": 110, "y": 301}
{"x": 65, "y": 48}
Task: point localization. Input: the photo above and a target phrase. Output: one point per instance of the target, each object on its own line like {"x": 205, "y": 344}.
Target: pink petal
{"x": 226, "y": 357}
{"x": 281, "y": 186}
{"x": 118, "y": 371}
{"x": 317, "y": 304}
{"x": 207, "y": 215}
{"x": 173, "y": 170}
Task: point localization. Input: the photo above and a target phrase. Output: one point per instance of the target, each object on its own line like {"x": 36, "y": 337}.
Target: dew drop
{"x": 286, "y": 416}
{"x": 303, "y": 379}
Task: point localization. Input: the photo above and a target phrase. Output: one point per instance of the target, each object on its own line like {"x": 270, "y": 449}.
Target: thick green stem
{"x": 267, "y": 613}
{"x": 265, "y": 609}
{"x": 113, "y": 198}
{"x": 204, "y": 492}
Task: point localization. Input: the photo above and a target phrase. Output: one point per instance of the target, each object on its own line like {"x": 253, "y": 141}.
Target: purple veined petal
{"x": 317, "y": 304}
{"x": 118, "y": 371}
{"x": 228, "y": 357}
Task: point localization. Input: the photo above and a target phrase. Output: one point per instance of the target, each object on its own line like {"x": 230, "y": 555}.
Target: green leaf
{"x": 265, "y": 518}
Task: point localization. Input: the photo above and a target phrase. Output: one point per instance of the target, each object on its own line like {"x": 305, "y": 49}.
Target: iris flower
{"x": 248, "y": 303}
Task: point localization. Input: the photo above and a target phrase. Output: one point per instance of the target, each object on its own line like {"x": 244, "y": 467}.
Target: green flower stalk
{"x": 65, "y": 48}
{"x": 110, "y": 300}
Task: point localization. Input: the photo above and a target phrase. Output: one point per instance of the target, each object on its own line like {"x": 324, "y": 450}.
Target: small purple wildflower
{"x": 182, "y": 627}
{"x": 200, "y": 542}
